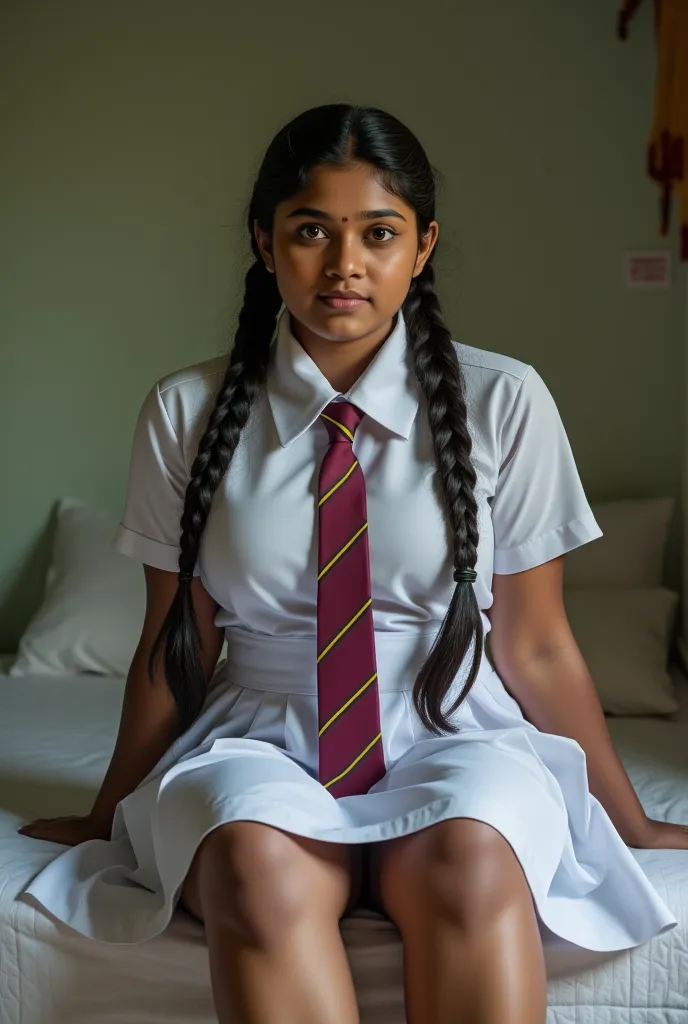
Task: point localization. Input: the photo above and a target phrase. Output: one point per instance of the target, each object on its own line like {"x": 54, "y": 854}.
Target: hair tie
{"x": 465, "y": 575}
{"x": 185, "y": 577}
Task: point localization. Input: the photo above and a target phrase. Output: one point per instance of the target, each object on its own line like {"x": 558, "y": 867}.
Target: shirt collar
{"x": 387, "y": 390}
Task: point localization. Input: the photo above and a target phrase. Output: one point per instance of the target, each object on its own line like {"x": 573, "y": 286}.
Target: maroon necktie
{"x": 351, "y": 758}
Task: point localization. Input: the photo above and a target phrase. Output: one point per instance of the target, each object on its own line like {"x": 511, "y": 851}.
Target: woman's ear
{"x": 428, "y": 242}
{"x": 263, "y": 240}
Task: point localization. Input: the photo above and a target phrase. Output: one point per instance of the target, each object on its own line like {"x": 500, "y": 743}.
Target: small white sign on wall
{"x": 648, "y": 268}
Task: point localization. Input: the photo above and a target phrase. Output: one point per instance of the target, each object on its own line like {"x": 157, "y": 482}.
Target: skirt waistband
{"x": 288, "y": 664}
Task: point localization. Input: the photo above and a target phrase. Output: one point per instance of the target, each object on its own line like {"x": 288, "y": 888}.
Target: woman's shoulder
{"x": 493, "y": 380}
{"x": 482, "y": 361}
{"x": 508, "y": 402}
{"x": 191, "y": 378}
{"x": 190, "y": 385}
{"x": 185, "y": 397}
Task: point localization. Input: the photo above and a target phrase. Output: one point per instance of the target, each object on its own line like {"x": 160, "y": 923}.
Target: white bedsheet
{"x": 56, "y": 739}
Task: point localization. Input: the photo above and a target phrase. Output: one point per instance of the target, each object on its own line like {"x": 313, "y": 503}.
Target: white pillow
{"x": 94, "y": 604}
{"x": 631, "y": 552}
{"x": 624, "y": 635}
{"x": 92, "y": 612}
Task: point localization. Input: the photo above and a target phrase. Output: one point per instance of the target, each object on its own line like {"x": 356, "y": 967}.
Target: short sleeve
{"x": 539, "y": 509}
{"x": 150, "y": 526}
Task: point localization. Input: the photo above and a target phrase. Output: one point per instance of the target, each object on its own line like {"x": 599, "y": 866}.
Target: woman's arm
{"x": 149, "y": 722}
{"x": 541, "y": 666}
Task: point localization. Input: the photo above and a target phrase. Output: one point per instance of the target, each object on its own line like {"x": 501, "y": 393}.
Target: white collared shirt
{"x": 258, "y": 555}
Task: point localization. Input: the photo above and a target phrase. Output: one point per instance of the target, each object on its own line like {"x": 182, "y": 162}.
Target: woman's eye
{"x": 316, "y": 227}
{"x": 309, "y": 227}
{"x": 388, "y": 230}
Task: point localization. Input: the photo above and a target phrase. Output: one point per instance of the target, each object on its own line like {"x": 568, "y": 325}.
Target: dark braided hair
{"x": 338, "y": 134}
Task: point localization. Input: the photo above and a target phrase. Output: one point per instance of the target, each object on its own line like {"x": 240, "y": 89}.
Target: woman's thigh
{"x": 484, "y": 870}
{"x": 342, "y": 866}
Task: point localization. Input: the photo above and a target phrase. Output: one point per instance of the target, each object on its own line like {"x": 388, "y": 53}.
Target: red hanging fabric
{"x": 668, "y": 143}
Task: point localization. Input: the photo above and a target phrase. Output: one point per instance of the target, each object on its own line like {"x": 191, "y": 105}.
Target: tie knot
{"x": 341, "y": 420}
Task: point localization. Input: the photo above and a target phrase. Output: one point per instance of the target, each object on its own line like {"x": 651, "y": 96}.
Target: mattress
{"x": 57, "y": 735}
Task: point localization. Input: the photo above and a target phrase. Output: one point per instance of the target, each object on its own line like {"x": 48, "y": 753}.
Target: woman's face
{"x": 344, "y": 232}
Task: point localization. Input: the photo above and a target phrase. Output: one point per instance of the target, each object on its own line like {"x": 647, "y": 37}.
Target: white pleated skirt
{"x": 252, "y": 755}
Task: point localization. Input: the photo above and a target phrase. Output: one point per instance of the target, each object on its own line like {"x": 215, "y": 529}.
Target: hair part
{"x": 337, "y": 135}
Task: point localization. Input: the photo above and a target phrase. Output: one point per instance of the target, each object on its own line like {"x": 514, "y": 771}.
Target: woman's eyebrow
{"x": 309, "y": 211}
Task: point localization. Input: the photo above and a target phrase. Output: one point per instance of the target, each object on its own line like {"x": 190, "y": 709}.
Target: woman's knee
{"x": 461, "y": 869}
{"x": 260, "y": 881}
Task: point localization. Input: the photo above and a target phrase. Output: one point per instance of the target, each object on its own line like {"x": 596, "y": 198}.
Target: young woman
{"x": 354, "y": 500}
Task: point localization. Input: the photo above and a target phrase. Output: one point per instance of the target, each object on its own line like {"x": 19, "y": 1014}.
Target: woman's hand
{"x": 70, "y": 830}
{"x": 662, "y": 835}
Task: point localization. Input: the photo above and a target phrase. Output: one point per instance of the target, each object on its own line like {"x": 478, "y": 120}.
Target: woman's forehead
{"x": 344, "y": 194}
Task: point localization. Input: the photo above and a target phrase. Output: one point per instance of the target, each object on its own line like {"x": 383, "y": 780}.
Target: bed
{"x": 56, "y": 738}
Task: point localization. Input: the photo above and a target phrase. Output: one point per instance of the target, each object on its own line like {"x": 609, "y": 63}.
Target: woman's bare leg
{"x": 472, "y": 946}
{"x": 271, "y": 904}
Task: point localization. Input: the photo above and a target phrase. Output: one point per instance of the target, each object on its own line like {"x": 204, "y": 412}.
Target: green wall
{"x": 131, "y": 135}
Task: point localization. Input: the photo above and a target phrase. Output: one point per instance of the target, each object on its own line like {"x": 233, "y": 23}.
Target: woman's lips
{"x": 335, "y": 303}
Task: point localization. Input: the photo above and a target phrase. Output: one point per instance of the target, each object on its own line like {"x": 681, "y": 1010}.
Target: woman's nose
{"x": 346, "y": 256}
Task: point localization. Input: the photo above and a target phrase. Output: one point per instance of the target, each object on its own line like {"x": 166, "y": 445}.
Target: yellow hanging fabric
{"x": 667, "y": 155}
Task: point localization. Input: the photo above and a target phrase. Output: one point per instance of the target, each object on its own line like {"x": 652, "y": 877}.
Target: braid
{"x": 439, "y": 374}
{"x": 245, "y": 375}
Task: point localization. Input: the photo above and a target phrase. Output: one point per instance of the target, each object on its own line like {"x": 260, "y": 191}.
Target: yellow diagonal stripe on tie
{"x": 354, "y": 763}
{"x": 338, "y": 424}
{"x": 340, "y": 553}
{"x": 348, "y": 626}
{"x": 338, "y": 484}
{"x": 345, "y": 706}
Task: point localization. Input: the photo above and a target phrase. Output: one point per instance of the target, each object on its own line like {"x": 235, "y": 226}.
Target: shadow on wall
{"x": 24, "y": 592}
